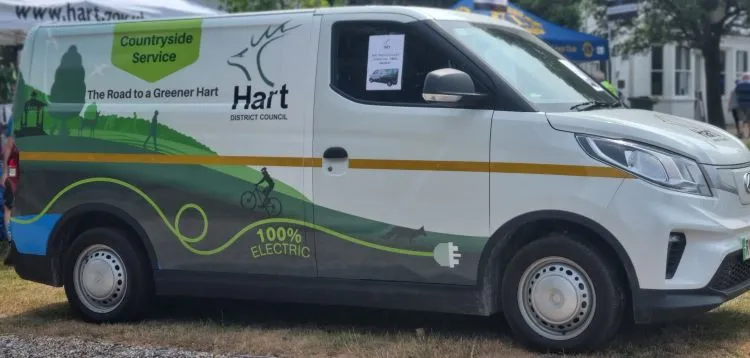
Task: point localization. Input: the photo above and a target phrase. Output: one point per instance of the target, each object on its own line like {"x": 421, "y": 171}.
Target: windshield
{"x": 542, "y": 76}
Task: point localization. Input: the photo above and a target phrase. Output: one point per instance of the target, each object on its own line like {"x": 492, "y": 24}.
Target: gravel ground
{"x": 48, "y": 347}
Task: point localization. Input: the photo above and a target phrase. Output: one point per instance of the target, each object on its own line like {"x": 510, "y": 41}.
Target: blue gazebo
{"x": 574, "y": 45}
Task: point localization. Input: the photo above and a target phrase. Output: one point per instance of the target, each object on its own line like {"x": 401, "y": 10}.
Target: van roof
{"x": 417, "y": 12}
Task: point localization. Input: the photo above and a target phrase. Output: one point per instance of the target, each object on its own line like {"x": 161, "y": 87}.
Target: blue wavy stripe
{"x": 32, "y": 238}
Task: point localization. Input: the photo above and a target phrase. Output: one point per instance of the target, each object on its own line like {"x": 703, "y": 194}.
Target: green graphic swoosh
{"x": 187, "y": 241}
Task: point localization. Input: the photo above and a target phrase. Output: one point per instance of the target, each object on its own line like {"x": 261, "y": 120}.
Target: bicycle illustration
{"x": 252, "y": 199}
{"x": 261, "y": 198}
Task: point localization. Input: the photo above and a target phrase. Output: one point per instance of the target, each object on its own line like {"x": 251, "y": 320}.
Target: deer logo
{"x": 271, "y": 34}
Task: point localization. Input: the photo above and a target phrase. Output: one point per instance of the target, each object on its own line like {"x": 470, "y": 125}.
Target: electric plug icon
{"x": 446, "y": 254}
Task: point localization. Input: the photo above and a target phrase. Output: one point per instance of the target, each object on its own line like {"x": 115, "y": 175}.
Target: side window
{"x": 350, "y": 56}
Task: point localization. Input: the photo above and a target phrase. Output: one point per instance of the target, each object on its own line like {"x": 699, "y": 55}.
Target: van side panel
{"x": 415, "y": 182}
{"x": 558, "y": 174}
{"x": 550, "y": 173}
{"x": 171, "y": 121}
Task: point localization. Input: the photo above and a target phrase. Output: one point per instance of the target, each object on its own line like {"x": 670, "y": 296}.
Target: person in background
{"x": 5, "y": 74}
{"x": 599, "y": 77}
{"x": 8, "y": 184}
{"x": 741, "y": 94}
{"x": 732, "y": 105}
{"x": 14, "y": 79}
{"x": 611, "y": 88}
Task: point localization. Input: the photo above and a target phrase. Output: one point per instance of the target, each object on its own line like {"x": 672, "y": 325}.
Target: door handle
{"x": 335, "y": 153}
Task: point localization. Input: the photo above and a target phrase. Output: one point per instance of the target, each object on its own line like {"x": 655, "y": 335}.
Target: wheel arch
{"x": 72, "y": 223}
{"x": 523, "y": 228}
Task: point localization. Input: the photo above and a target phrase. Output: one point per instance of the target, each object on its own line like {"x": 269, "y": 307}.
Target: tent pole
{"x": 609, "y": 51}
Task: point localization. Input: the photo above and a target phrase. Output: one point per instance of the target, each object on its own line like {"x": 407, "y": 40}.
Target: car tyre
{"x": 561, "y": 295}
{"x": 107, "y": 277}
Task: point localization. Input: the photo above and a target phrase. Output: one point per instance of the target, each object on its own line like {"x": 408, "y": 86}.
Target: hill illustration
{"x": 133, "y": 130}
{"x": 65, "y": 113}
{"x": 37, "y": 114}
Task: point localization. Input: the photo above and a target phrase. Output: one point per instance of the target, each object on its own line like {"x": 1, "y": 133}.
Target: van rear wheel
{"x": 107, "y": 278}
{"x": 562, "y": 295}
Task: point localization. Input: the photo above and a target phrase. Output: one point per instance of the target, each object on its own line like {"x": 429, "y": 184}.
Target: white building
{"x": 675, "y": 75}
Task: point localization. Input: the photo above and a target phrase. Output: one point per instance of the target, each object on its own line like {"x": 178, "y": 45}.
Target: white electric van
{"x": 378, "y": 156}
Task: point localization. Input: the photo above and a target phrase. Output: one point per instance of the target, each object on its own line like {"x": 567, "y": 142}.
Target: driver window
{"x": 350, "y": 55}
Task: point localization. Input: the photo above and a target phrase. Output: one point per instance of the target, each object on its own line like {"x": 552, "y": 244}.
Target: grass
{"x": 288, "y": 330}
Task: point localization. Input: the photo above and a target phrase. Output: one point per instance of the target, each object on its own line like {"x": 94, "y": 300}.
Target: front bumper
{"x": 36, "y": 268}
{"x": 732, "y": 279}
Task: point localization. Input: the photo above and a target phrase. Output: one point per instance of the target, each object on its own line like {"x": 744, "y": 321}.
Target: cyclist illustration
{"x": 261, "y": 198}
{"x": 269, "y": 185}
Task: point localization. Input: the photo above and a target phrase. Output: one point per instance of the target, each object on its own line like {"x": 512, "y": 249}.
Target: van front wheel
{"x": 107, "y": 278}
{"x": 559, "y": 294}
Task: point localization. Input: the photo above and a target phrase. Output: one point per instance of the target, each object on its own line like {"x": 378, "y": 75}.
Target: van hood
{"x": 703, "y": 142}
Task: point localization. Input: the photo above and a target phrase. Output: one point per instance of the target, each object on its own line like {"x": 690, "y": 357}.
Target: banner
{"x": 22, "y": 15}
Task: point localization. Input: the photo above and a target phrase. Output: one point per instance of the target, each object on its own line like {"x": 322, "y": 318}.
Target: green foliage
{"x": 565, "y": 13}
{"x": 692, "y": 23}
{"x": 68, "y": 92}
{"x": 321, "y": 3}
{"x": 7, "y": 77}
{"x": 247, "y": 6}
{"x": 264, "y": 5}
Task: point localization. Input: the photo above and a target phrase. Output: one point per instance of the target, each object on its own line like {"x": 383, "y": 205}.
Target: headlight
{"x": 652, "y": 164}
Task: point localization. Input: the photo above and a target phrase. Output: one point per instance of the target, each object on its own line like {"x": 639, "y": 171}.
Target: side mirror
{"x": 450, "y": 86}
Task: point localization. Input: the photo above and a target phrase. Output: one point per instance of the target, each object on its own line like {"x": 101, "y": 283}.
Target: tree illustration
{"x": 90, "y": 112}
{"x": 68, "y": 92}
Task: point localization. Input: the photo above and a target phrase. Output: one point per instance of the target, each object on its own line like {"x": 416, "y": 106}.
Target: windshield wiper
{"x": 585, "y": 106}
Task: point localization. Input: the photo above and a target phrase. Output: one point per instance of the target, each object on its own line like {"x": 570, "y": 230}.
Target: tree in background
{"x": 697, "y": 24}
{"x": 68, "y": 93}
{"x": 263, "y": 5}
{"x": 566, "y": 13}
{"x": 443, "y": 4}
{"x": 562, "y": 12}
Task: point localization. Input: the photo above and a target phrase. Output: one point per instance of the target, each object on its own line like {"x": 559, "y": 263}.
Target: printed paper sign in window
{"x": 385, "y": 62}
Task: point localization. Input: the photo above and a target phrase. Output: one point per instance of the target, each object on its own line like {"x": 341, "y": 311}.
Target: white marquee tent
{"x": 18, "y": 16}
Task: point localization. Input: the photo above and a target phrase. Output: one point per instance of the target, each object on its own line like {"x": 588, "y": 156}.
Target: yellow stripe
{"x": 169, "y": 159}
{"x": 383, "y": 164}
{"x": 453, "y": 166}
{"x": 559, "y": 169}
